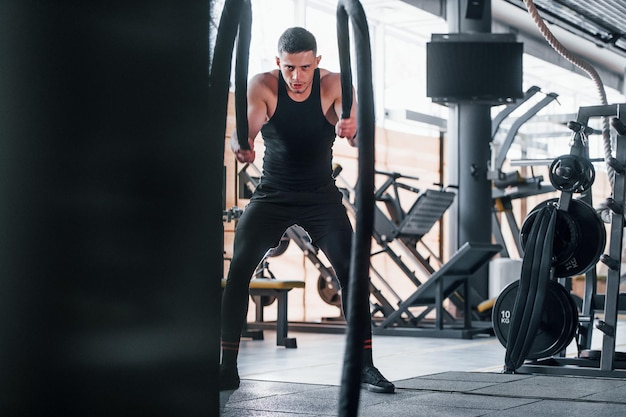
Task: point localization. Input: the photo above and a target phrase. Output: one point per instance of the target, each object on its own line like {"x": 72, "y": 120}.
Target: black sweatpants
{"x": 264, "y": 221}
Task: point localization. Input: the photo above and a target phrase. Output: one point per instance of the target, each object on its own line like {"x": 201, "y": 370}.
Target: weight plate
{"x": 329, "y": 290}
{"x": 579, "y": 237}
{"x": 266, "y": 300}
{"x": 557, "y": 326}
{"x": 260, "y": 272}
{"x": 572, "y": 173}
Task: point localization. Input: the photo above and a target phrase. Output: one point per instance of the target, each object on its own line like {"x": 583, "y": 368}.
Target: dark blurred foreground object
{"x": 110, "y": 250}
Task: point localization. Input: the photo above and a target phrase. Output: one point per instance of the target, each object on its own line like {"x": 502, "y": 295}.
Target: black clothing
{"x": 298, "y": 141}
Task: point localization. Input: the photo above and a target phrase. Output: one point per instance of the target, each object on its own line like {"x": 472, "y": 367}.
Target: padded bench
{"x": 266, "y": 287}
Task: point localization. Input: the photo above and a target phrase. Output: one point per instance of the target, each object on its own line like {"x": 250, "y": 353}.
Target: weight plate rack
{"x": 550, "y": 358}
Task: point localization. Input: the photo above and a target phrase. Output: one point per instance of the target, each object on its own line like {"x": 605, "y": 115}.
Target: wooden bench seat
{"x": 266, "y": 287}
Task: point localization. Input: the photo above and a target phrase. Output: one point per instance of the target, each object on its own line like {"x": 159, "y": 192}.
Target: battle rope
{"x": 219, "y": 73}
{"x": 236, "y": 17}
{"x": 536, "y": 271}
{"x": 585, "y": 66}
{"x": 358, "y": 295}
{"x": 241, "y": 75}
{"x": 219, "y": 76}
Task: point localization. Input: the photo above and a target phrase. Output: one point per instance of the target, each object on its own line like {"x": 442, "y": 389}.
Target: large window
{"x": 546, "y": 135}
{"x": 321, "y": 22}
{"x": 269, "y": 19}
{"x": 399, "y": 34}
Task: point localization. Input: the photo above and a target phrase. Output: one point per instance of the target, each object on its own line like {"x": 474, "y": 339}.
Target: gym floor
{"x": 433, "y": 376}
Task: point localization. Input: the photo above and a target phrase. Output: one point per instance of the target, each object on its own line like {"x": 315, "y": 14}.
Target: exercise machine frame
{"x": 449, "y": 282}
{"x": 518, "y": 188}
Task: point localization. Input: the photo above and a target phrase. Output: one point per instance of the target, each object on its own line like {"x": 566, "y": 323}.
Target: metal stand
{"x": 607, "y": 363}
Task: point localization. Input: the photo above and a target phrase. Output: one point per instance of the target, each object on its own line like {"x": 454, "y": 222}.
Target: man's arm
{"x": 257, "y": 114}
{"x": 345, "y": 128}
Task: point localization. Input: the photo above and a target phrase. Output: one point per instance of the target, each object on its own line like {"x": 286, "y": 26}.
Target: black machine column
{"x": 470, "y": 86}
{"x": 474, "y": 197}
{"x": 470, "y": 142}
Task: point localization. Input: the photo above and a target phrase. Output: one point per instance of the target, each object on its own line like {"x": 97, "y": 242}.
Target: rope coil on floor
{"x": 361, "y": 247}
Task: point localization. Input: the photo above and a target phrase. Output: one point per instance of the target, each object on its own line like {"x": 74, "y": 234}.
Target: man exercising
{"x": 296, "y": 108}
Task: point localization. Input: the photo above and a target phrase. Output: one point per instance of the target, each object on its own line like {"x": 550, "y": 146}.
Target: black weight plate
{"x": 329, "y": 290}
{"x": 557, "y": 326}
{"x": 266, "y": 300}
{"x": 579, "y": 238}
{"x": 566, "y": 235}
{"x": 572, "y": 173}
{"x": 262, "y": 269}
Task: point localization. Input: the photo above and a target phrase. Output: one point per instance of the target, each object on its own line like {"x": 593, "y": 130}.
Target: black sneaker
{"x": 229, "y": 378}
{"x": 372, "y": 379}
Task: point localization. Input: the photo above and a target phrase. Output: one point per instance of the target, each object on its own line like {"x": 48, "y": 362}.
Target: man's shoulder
{"x": 328, "y": 75}
{"x": 264, "y": 81}
{"x": 264, "y": 78}
{"x": 329, "y": 78}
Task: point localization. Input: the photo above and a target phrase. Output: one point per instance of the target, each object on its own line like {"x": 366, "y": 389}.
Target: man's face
{"x": 298, "y": 70}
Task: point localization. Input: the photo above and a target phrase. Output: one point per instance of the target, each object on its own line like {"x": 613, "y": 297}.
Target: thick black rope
{"x": 528, "y": 307}
{"x": 236, "y": 17}
{"x": 241, "y": 75}
{"x": 358, "y": 303}
{"x": 219, "y": 76}
{"x": 527, "y": 290}
{"x": 345, "y": 63}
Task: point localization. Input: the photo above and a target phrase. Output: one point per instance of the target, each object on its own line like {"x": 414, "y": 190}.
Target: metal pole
{"x": 469, "y": 153}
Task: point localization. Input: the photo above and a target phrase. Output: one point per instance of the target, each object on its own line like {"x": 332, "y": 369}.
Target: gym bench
{"x": 266, "y": 287}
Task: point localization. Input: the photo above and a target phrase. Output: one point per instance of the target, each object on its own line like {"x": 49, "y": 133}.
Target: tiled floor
{"x": 434, "y": 377}
{"x": 319, "y": 357}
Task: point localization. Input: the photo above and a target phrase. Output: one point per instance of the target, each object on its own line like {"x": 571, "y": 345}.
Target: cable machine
{"x": 511, "y": 186}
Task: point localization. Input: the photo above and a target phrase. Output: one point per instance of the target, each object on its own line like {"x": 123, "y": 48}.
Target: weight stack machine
{"x": 537, "y": 324}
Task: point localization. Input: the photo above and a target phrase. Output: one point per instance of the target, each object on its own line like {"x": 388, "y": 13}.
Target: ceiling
{"x": 602, "y": 22}
{"x": 594, "y": 30}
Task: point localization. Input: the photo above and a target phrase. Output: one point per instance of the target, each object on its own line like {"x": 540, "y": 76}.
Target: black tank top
{"x": 298, "y": 142}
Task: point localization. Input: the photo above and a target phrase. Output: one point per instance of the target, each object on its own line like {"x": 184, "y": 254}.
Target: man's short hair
{"x": 297, "y": 39}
